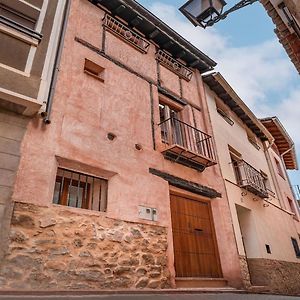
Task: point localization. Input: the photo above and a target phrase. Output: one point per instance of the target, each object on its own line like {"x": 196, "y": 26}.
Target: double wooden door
{"x": 195, "y": 247}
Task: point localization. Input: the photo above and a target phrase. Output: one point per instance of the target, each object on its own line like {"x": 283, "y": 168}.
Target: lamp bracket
{"x": 238, "y": 6}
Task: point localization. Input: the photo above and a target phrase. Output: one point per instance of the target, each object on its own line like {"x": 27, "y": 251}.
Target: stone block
{"x": 11, "y": 131}
{"x": 10, "y": 146}
{"x": 9, "y": 162}
{"x": 5, "y": 194}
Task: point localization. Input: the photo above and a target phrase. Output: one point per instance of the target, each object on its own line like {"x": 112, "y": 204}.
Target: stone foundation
{"x": 278, "y": 276}
{"x": 58, "y": 248}
{"x": 245, "y": 272}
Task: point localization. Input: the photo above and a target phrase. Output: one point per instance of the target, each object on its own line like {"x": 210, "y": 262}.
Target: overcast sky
{"x": 251, "y": 59}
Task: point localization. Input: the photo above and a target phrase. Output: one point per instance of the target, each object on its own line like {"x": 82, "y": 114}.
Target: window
{"x": 296, "y": 247}
{"x": 20, "y": 12}
{"x": 266, "y": 181}
{"x": 19, "y": 24}
{"x": 268, "y": 248}
{"x": 94, "y": 70}
{"x": 279, "y": 169}
{"x": 236, "y": 157}
{"x": 223, "y": 111}
{"x": 253, "y": 139}
{"x": 80, "y": 190}
{"x": 171, "y": 128}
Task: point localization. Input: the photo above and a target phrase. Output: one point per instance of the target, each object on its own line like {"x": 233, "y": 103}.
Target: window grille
{"x": 128, "y": 35}
{"x": 80, "y": 190}
{"x": 174, "y": 65}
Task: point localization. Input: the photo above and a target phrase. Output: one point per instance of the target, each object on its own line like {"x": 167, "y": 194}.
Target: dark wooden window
{"x": 80, "y": 190}
{"x": 296, "y": 247}
{"x": 223, "y": 111}
{"x": 268, "y": 248}
{"x": 168, "y": 113}
{"x": 279, "y": 168}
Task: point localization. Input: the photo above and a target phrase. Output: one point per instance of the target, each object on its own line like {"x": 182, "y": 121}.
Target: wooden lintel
{"x": 187, "y": 185}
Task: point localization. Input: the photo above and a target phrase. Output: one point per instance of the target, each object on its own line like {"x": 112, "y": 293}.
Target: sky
{"x": 250, "y": 58}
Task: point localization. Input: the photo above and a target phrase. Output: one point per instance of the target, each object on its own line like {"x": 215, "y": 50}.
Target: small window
{"x": 80, "y": 190}
{"x": 279, "y": 168}
{"x": 266, "y": 181}
{"x": 253, "y": 139}
{"x": 224, "y": 112}
{"x": 296, "y": 247}
{"x": 268, "y": 248}
{"x": 94, "y": 70}
{"x": 236, "y": 157}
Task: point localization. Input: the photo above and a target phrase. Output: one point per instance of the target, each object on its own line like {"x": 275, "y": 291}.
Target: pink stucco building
{"x": 121, "y": 177}
{"x": 129, "y": 146}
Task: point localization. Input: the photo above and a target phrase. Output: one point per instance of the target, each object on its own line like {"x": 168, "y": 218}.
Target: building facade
{"x": 29, "y": 33}
{"x": 123, "y": 188}
{"x": 129, "y": 178}
{"x": 286, "y": 17}
{"x": 254, "y": 156}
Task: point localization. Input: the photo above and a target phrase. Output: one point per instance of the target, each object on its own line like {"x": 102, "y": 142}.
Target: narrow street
{"x": 203, "y": 296}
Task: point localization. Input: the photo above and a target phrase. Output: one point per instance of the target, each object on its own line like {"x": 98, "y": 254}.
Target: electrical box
{"x": 148, "y": 213}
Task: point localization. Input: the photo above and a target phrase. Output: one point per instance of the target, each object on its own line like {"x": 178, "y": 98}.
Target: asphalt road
{"x": 223, "y": 296}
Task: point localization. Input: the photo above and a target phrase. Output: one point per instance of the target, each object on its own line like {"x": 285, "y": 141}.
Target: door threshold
{"x": 199, "y": 282}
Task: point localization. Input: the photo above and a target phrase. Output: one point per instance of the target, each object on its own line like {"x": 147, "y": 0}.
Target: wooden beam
{"x": 187, "y": 185}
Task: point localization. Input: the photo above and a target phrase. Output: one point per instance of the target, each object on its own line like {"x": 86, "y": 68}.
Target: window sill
{"x": 19, "y": 35}
{"x": 80, "y": 211}
{"x": 94, "y": 76}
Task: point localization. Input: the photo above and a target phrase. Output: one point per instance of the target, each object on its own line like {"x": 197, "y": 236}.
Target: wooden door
{"x": 195, "y": 247}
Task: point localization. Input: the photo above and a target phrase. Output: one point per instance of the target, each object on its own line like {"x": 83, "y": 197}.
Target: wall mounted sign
{"x": 126, "y": 34}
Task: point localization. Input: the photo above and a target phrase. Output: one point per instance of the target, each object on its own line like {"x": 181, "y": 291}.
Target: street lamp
{"x": 206, "y": 13}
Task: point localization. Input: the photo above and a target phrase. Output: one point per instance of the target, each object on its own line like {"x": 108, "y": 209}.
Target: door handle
{"x": 198, "y": 230}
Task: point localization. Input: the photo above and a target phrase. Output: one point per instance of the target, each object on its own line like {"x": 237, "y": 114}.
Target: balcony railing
{"x": 250, "y": 179}
{"x": 186, "y": 144}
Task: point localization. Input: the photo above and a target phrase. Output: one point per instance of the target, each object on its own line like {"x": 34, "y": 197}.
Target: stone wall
{"x": 12, "y": 130}
{"x": 245, "y": 272}
{"x": 60, "y": 248}
{"x": 278, "y": 276}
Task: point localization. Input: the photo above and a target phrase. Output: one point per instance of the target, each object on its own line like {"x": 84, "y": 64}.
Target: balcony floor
{"x": 187, "y": 157}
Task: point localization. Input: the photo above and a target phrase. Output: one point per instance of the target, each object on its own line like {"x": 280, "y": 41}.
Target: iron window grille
{"x": 126, "y": 34}
{"x": 80, "y": 190}
{"x": 174, "y": 65}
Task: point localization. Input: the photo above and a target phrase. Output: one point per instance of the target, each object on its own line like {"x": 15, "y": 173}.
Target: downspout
{"x": 47, "y": 114}
{"x": 273, "y": 175}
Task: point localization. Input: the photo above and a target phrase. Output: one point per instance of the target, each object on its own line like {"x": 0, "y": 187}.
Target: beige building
{"x": 254, "y": 156}
{"x": 30, "y": 32}
{"x": 285, "y": 15}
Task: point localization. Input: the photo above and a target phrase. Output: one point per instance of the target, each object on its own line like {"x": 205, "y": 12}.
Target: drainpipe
{"x": 46, "y": 115}
{"x": 273, "y": 175}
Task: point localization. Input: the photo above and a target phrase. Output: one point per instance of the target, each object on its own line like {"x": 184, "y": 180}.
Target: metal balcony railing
{"x": 186, "y": 144}
{"x": 250, "y": 178}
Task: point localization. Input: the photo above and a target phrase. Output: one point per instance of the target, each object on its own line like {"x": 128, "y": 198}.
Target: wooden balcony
{"x": 186, "y": 145}
{"x": 250, "y": 179}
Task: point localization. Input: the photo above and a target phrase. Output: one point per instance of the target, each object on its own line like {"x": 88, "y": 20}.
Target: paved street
{"x": 204, "y": 296}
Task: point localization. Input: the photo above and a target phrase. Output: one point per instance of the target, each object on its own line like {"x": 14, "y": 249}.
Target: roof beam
{"x": 136, "y": 21}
